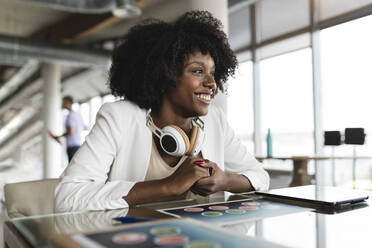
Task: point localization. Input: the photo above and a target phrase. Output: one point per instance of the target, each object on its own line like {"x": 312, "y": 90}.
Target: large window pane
{"x": 287, "y": 103}
{"x": 240, "y": 104}
{"x": 346, "y": 54}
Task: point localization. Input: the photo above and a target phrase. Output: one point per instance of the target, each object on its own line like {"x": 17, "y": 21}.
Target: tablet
{"x": 322, "y": 196}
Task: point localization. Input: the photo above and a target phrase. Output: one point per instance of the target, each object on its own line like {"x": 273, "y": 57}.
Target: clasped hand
{"x": 202, "y": 177}
{"x": 215, "y": 182}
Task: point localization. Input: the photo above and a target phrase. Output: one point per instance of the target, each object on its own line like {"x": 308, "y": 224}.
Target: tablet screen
{"x": 333, "y": 195}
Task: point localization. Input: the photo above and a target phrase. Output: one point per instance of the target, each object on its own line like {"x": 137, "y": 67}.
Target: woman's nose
{"x": 210, "y": 82}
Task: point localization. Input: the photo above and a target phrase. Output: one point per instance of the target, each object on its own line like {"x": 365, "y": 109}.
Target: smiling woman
{"x": 164, "y": 140}
{"x": 196, "y": 87}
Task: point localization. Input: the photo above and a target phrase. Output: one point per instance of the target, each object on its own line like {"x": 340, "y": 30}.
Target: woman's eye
{"x": 198, "y": 71}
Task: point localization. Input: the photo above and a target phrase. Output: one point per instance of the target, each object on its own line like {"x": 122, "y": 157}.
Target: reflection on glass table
{"x": 301, "y": 229}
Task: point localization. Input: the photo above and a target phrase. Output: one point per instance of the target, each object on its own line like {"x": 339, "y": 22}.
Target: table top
{"x": 298, "y": 229}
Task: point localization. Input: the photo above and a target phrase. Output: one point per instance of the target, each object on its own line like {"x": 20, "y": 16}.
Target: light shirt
{"x": 159, "y": 169}
{"x": 75, "y": 121}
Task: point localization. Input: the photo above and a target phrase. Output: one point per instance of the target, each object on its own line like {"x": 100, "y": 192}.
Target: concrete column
{"x": 51, "y": 75}
{"x": 17, "y": 155}
{"x": 219, "y": 9}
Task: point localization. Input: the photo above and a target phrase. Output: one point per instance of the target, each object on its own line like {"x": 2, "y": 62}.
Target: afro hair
{"x": 151, "y": 56}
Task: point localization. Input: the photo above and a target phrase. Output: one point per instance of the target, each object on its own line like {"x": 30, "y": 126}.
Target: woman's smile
{"x": 205, "y": 97}
{"x": 196, "y": 87}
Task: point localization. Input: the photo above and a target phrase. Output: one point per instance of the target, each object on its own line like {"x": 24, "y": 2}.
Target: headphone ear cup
{"x": 174, "y": 141}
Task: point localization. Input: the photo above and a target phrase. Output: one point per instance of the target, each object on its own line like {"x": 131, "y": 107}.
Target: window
{"x": 287, "y": 104}
{"x": 240, "y": 104}
{"x": 346, "y": 54}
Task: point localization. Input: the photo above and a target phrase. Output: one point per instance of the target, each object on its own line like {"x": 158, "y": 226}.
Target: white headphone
{"x": 174, "y": 141}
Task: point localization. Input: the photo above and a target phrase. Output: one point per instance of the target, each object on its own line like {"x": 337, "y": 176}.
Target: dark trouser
{"x": 71, "y": 151}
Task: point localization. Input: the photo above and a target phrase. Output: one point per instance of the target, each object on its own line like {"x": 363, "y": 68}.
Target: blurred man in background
{"x": 74, "y": 126}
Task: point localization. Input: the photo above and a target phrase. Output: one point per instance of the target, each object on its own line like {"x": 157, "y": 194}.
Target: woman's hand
{"x": 220, "y": 180}
{"x": 185, "y": 176}
{"x": 217, "y": 181}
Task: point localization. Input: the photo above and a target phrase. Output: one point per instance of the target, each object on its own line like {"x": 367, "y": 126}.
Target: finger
{"x": 194, "y": 191}
{"x": 205, "y": 189}
{"x": 209, "y": 170}
{"x": 205, "y": 181}
{"x": 194, "y": 161}
{"x": 205, "y": 165}
{"x": 204, "y": 192}
{"x": 199, "y": 191}
{"x": 208, "y": 164}
{"x": 203, "y": 172}
{"x": 200, "y": 162}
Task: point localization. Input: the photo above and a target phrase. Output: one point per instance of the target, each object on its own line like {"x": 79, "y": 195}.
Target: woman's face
{"x": 195, "y": 88}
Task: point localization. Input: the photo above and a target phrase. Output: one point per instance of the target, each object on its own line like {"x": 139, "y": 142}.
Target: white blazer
{"x": 117, "y": 151}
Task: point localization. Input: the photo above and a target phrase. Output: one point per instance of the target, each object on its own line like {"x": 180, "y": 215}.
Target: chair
{"x": 30, "y": 198}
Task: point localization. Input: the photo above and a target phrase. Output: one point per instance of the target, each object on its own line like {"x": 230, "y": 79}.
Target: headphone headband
{"x": 196, "y": 121}
{"x": 150, "y": 123}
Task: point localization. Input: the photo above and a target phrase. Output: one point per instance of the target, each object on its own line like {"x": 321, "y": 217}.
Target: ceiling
{"x": 68, "y": 36}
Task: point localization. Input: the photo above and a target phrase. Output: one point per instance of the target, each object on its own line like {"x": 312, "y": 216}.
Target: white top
{"x": 117, "y": 151}
{"x": 159, "y": 169}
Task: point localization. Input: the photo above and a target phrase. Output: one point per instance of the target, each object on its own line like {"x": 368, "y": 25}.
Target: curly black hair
{"x": 152, "y": 55}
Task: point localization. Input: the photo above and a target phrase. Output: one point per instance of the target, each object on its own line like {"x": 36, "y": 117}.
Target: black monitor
{"x": 332, "y": 138}
{"x": 354, "y": 136}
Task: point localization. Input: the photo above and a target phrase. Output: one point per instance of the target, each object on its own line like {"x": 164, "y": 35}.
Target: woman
{"x": 168, "y": 74}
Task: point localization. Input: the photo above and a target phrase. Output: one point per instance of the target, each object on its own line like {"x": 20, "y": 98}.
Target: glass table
{"x": 301, "y": 229}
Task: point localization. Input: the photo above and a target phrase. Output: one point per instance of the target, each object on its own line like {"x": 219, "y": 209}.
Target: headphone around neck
{"x": 175, "y": 142}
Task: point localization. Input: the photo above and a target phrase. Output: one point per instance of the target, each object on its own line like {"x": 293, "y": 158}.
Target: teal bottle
{"x": 269, "y": 144}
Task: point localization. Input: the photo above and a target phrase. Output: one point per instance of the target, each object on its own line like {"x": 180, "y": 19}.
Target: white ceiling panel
{"x": 20, "y": 18}
{"x": 280, "y": 17}
{"x": 332, "y": 8}
{"x": 240, "y": 29}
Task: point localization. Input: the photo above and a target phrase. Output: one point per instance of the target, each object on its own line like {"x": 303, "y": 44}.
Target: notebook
{"x": 325, "y": 197}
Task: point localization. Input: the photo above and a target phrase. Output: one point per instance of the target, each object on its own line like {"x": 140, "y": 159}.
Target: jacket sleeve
{"x": 238, "y": 160}
{"x": 84, "y": 184}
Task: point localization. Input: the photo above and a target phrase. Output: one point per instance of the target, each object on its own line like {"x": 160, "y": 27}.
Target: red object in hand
{"x": 199, "y": 162}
